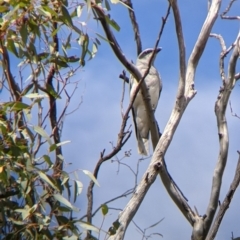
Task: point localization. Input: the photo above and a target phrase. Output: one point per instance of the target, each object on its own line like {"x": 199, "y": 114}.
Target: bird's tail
{"x": 143, "y": 146}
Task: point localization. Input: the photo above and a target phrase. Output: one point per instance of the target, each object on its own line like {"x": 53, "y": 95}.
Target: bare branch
{"x": 201, "y": 43}
{"x": 123, "y": 195}
{"x": 223, "y": 15}
{"x": 237, "y": 76}
{"x": 143, "y": 232}
{"x": 233, "y": 114}
{"x": 135, "y": 26}
{"x": 221, "y": 40}
{"x": 220, "y": 109}
{"x": 226, "y": 202}
{"x": 181, "y": 46}
{"x": 222, "y": 55}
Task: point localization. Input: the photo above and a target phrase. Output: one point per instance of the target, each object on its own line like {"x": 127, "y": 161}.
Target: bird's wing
{"x": 131, "y": 84}
{"x": 154, "y": 85}
{"x": 142, "y": 142}
{"x": 139, "y": 120}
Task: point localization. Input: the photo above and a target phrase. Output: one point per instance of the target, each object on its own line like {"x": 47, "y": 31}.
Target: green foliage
{"x": 37, "y": 41}
{"x": 25, "y": 24}
{"x": 38, "y": 58}
{"x": 27, "y": 183}
{"x": 113, "y": 229}
{"x": 104, "y": 209}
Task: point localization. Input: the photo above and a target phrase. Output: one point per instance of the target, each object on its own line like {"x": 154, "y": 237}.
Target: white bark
{"x": 220, "y": 109}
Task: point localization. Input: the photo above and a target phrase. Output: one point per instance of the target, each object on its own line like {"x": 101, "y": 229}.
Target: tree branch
{"x": 226, "y": 202}
{"x": 181, "y": 46}
{"x": 220, "y": 110}
{"x": 223, "y": 15}
{"x": 58, "y": 165}
{"x": 135, "y": 26}
{"x": 200, "y": 45}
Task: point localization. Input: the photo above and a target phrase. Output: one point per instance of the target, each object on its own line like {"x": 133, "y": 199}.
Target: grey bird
{"x": 154, "y": 85}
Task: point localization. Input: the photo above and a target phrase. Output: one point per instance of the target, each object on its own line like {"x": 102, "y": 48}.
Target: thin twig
{"x": 233, "y": 114}
{"x": 223, "y": 15}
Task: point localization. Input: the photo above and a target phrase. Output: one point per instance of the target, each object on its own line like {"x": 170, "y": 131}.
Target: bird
{"x": 154, "y": 86}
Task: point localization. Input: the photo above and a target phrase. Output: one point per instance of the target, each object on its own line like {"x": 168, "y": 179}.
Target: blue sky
{"x": 193, "y": 152}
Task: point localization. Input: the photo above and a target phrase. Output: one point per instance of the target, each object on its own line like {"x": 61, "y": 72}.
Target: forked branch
{"x": 220, "y": 110}
{"x": 224, "y": 14}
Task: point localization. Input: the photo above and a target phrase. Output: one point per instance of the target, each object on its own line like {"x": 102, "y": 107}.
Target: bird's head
{"x": 145, "y": 55}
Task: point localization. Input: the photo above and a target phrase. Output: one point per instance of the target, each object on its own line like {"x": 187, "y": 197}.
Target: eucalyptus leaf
{"x": 91, "y": 176}
{"x": 64, "y": 201}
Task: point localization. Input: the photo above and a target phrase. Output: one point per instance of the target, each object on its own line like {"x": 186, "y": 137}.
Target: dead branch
{"x": 233, "y": 114}
{"x": 181, "y": 46}
{"x": 220, "y": 110}
{"x": 223, "y": 15}
{"x": 223, "y": 54}
{"x": 221, "y": 40}
{"x": 226, "y": 202}
{"x": 201, "y": 42}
